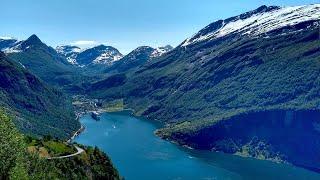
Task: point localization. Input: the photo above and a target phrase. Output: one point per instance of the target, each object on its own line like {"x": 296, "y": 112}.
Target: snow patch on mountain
{"x": 14, "y": 48}
{"x": 9, "y": 44}
{"x": 261, "y": 22}
{"x": 70, "y": 52}
{"x": 160, "y": 51}
{"x": 108, "y": 57}
{"x": 19, "y": 46}
{"x": 68, "y": 49}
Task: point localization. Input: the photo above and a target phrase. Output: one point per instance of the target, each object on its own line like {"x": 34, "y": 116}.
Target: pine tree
{"x": 12, "y": 150}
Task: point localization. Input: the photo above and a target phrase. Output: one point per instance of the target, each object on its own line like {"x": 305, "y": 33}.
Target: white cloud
{"x": 84, "y": 43}
{"x": 5, "y": 37}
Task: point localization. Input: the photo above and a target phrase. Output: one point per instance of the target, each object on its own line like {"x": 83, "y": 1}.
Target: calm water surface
{"x": 139, "y": 154}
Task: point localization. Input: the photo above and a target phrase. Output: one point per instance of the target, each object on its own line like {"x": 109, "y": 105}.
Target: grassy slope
{"x": 18, "y": 163}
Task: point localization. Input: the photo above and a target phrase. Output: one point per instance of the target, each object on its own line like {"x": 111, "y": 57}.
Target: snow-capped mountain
{"x": 108, "y": 56}
{"x": 7, "y": 42}
{"x": 160, "y": 51}
{"x": 140, "y": 52}
{"x": 15, "y": 46}
{"x": 254, "y": 23}
{"x": 134, "y": 59}
{"x": 101, "y": 54}
{"x": 69, "y": 52}
{"x": 138, "y": 57}
{"x": 147, "y": 52}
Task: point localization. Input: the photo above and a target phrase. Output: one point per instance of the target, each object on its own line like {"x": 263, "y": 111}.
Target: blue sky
{"x": 124, "y": 24}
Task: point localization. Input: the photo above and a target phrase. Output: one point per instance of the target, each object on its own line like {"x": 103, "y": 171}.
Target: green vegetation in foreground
{"x": 16, "y": 162}
{"x": 48, "y": 147}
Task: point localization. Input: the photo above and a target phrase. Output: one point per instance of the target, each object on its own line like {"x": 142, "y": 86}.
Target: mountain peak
{"x": 34, "y": 39}
{"x": 142, "y": 48}
{"x": 14, "y": 46}
{"x": 100, "y": 54}
{"x": 100, "y": 47}
{"x": 265, "y": 8}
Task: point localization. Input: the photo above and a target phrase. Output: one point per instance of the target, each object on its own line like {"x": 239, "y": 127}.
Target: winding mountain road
{"x": 79, "y": 151}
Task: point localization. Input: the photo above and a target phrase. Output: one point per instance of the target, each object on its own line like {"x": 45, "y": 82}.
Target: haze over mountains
{"x": 244, "y": 82}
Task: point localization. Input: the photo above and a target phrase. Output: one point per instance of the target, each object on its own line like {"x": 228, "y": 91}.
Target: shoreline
{"x": 187, "y": 146}
{"x": 77, "y": 133}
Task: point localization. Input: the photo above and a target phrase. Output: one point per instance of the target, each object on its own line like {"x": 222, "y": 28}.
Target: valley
{"x": 237, "y": 100}
{"x": 200, "y": 85}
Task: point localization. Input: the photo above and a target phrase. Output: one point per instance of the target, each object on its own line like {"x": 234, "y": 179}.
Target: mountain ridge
{"x": 269, "y": 17}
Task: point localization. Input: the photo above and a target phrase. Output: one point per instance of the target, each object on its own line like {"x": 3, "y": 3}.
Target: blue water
{"x": 138, "y": 154}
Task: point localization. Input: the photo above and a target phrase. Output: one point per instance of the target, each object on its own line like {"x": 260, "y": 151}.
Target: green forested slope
{"x": 38, "y": 108}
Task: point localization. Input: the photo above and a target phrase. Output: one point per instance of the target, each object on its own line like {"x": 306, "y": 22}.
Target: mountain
{"x": 246, "y": 85}
{"x": 20, "y": 46}
{"x": 138, "y": 57}
{"x": 43, "y": 61}
{"x": 38, "y": 108}
{"x": 92, "y": 61}
{"x": 99, "y": 55}
{"x": 134, "y": 59}
{"x": 69, "y": 52}
{"x": 258, "y": 22}
{"x": 7, "y": 42}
